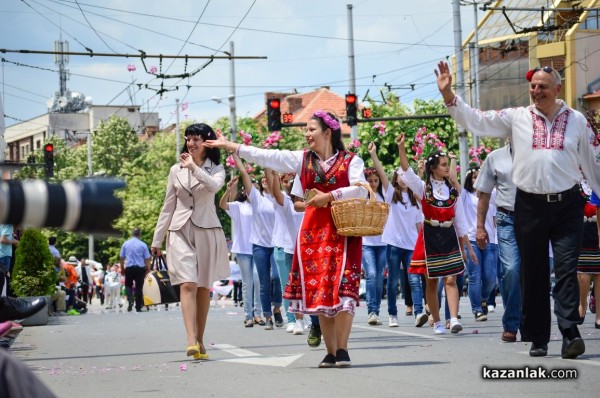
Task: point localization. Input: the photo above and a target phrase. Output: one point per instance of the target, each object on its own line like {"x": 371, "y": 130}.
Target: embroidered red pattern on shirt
{"x": 557, "y": 134}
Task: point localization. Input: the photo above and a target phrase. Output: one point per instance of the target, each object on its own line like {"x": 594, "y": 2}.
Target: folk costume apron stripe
{"x": 589, "y": 258}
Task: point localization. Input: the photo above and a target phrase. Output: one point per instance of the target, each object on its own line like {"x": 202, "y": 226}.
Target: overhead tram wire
{"x": 95, "y": 31}
{"x": 258, "y": 30}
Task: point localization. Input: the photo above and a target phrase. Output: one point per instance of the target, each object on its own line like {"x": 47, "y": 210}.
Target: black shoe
{"x": 484, "y": 307}
{"x": 129, "y": 307}
{"x": 571, "y": 349}
{"x": 328, "y": 361}
{"x": 278, "y": 319}
{"x": 538, "y": 350}
{"x": 342, "y": 359}
{"x": 480, "y": 317}
{"x": 581, "y": 320}
{"x": 314, "y": 336}
{"x": 14, "y": 308}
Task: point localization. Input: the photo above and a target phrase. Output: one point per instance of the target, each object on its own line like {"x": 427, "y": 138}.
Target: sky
{"x": 397, "y": 44}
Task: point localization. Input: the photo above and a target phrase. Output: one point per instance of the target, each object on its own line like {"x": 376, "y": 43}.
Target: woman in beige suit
{"x": 196, "y": 246}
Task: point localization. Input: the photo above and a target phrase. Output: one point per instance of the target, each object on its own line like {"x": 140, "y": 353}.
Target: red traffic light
{"x": 366, "y": 113}
{"x": 350, "y": 99}
{"x": 49, "y": 148}
{"x": 274, "y": 104}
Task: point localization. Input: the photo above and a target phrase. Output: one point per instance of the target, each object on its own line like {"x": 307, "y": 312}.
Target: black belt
{"x": 553, "y": 197}
{"x": 505, "y": 211}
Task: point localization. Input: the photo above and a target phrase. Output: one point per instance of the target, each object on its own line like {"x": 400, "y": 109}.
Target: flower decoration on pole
{"x": 246, "y": 137}
{"x": 425, "y": 143}
{"x": 478, "y": 155}
{"x": 131, "y": 68}
{"x": 153, "y": 70}
{"x": 354, "y": 145}
{"x": 272, "y": 140}
{"x": 381, "y": 127}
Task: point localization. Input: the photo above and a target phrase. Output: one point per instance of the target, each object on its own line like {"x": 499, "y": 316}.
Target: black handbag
{"x": 157, "y": 284}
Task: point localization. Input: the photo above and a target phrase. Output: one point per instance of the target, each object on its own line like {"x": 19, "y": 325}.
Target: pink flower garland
{"x": 354, "y": 145}
{"x": 272, "y": 140}
{"x": 478, "y": 155}
{"x": 425, "y": 143}
{"x": 381, "y": 127}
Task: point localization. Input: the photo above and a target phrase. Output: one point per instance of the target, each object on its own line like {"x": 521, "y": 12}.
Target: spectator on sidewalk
{"x": 135, "y": 259}
{"x": 7, "y": 241}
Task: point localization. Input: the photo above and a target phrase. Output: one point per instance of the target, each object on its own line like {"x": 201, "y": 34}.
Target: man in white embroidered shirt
{"x": 550, "y": 142}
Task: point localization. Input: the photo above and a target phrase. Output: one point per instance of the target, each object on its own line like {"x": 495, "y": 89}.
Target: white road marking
{"x": 384, "y": 330}
{"x": 253, "y": 358}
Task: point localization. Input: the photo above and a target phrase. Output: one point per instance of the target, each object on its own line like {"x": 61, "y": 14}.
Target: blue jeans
{"x": 373, "y": 260}
{"x": 460, "y": 283}
{"x": 418, "y": 284}
{"x": 250, "y": 286}
{"x": 268, "y": 278}
{"x": 510, "y": 279}
{"x": 283, "y": 261}
{"x": 482, "y": 276}
{"x": 398, "y": 260}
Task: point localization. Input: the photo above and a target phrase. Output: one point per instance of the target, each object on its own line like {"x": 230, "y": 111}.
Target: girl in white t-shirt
{"x": 400, "y": 235}
{"x": 239, "y": 209}
{"x": 263, "y": 222}
{"x": 112, "y": 287}
{"x": 374, "y": 252}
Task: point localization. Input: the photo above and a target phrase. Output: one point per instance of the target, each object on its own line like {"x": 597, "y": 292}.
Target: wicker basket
{"x": 360, "y": 217}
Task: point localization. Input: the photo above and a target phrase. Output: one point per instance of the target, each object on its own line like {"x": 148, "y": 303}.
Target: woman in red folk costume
{"x": 326, "y": 267}
{"x": 437, "y": 251}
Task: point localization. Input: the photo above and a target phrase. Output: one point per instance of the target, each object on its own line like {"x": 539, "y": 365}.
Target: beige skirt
{"x": 197, "y": 255}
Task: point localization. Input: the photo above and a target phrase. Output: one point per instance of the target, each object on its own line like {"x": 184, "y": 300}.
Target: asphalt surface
{"x": 108, "y": 354}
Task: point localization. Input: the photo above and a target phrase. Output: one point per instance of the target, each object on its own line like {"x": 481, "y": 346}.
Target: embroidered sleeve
{"x": 451, "y": 103}
{"x": 489, "y": 123}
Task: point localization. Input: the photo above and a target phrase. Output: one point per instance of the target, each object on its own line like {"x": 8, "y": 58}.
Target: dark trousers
{"x": 136, "y": 274}
{"x": 538, "y": 222}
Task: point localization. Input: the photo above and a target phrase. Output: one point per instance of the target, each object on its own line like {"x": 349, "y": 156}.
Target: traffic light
{"x": 274, "y": 114}
{"x": 351, "y": 109}
{"x": 49, "y": 160}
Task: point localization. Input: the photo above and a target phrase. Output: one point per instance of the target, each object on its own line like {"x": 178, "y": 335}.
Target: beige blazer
{"x": 190, "y": 195}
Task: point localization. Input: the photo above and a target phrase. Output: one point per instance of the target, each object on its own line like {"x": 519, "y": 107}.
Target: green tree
{"x": 33, "y": 273}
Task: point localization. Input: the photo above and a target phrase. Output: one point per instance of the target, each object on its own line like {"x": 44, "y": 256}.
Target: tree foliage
{"x": 33, "y": 273}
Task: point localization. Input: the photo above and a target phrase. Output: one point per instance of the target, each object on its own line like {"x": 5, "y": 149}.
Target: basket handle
{"x": 372, "y": 196}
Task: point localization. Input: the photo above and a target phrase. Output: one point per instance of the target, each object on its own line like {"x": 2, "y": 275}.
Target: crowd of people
{"x": 496, "y": 229}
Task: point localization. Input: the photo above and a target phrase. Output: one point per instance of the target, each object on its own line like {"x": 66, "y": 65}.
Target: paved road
{"x": 108, "y": 354}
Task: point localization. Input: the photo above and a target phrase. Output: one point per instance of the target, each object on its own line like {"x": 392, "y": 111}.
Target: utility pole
{"x": 232, "y": 111}
{"x": 354, "y": 131}
{"x": 90, "y": 172}
{"x": 177, "y": 135}
{"x": 463, "y": 142}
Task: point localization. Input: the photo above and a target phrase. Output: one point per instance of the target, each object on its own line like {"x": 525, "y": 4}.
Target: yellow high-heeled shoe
{"x": 200, "y": 355}
{"x": 193, "y": 350}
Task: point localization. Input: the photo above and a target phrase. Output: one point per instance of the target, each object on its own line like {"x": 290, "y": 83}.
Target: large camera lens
{"x": 86, "y": 205}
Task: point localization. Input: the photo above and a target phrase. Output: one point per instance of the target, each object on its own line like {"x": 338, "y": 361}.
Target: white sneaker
{"x": 491, "y": 308}
{"x": 438, "y": 328}
{"x": 290, "y": 327}
{"x": 307, "y": 323}
{"x": 393, "y": 323}
{"x": 421, "y": 319}
{"x": 373, "y": 319}
{"x": 298, "y": 327}
{"x": 455, "y": 327}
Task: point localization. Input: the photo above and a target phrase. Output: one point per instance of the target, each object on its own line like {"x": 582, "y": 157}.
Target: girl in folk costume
{"x": 437, "y": 252}
{"x": 588, "y": 266}
{"x": 326, "y": 267}
{"x": 400, "y": 235}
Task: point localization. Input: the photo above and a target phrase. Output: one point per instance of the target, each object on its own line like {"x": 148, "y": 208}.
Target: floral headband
{"x": 332, "y": 123}
{"x": 370, "y": 171}
{"x": 437, "y": 155}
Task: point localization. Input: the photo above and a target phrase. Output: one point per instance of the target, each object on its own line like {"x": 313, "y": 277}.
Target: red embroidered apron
{"x": 326, "y": 266}
{"x": 437, "y": 250}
